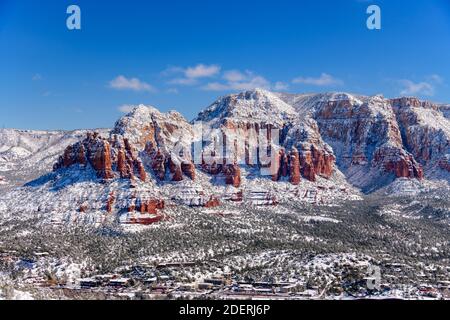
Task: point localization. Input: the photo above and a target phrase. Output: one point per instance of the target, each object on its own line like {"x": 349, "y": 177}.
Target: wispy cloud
{"x": 202, "y": 71}
{"x": 134, "y": 84}
{"x": 279, "y": 86}
{"x": 237, "y": 80}
{"x": 126, "y": 108}
{"x": 190, "y": 75}
{"x": 235, "y": 76}
{"x": 325, "y": 80}
{"x": 424, "y": 88}
{"x": 416, "y": 88}
{"x": 172, "y": 91}
{"x": 215, "y": 86}
{"x": 435, "y": 78}
{"x": 36, "y": 77}
{"x": 183, "y": 81}
{"x": 212, "y": 78}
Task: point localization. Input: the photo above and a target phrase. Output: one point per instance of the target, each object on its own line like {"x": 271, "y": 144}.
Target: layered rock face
{"x": 425, "y": 131}
{"x": 394, "y": 160}
{"x": 359, "y": 128}
{"x": 252, "y": 126}
{"x": 141, "y": 142}
{"x": 366, "y": 136}
{"x": 288, "y": 138}
{"x": 288, "y": 165}
{"x": 146, "y": 124}
{"x": 294, "y": 167}
{"x": 282, "y": 163}
{"x": 315, "y": 162}
{"x": 253, "y": 120}
{"x": 169, "y": 164}
{"x": 109, "y": 158}
{"x": 160, "y": 140}
{"x": 93, "y": 150}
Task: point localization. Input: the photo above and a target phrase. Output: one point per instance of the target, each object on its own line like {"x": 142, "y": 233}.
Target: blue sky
{"x": 184, "y": 54}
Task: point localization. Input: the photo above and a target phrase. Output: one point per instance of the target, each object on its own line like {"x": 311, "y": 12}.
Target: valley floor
{"x": 374, "y": 248}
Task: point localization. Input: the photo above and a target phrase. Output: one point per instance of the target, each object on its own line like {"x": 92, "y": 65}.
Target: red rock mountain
{"x": 376, "y": 140}
{"x": 371, "y": 140}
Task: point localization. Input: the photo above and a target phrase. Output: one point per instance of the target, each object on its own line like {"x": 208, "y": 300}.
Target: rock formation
{"x": 232, "y": 175}
{"x": 370, "y": 140}
{"x": 294, "y": 167}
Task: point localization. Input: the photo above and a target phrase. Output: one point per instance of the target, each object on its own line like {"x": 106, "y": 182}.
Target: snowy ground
{"x": 296, "y": 242}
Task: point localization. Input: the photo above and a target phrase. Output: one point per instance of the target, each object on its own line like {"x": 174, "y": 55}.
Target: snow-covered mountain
{"x": 251, "y": 106}
{"x": 330, "y": 147}
{"x": 373, "y": 136}
{"x": 28, "y": 154}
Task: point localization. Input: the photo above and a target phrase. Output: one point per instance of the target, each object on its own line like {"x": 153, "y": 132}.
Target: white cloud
{"x": 251, "y": 83}
{"x": 191, "y": 75}
{"x": 233, "y": 79}
{"x": 324, "y": 80}
{"x": 416, "y": 88}
{"x": 202, "y": 71}
{"x": 236, "y": 80}
{"x": 427, "y": 87}
{"x": 123, "y": 83}
{"x": 126, "y": 108}
{"x": 234, "y": 76}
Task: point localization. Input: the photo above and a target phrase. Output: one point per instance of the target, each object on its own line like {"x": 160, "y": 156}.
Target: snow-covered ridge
{"x": 343, "y": 142}
{"x": 26, "y": 154}
{"x": 253, "y": 105}
{"x": 145, "y": 123}
{"x": 307, "y": 103}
